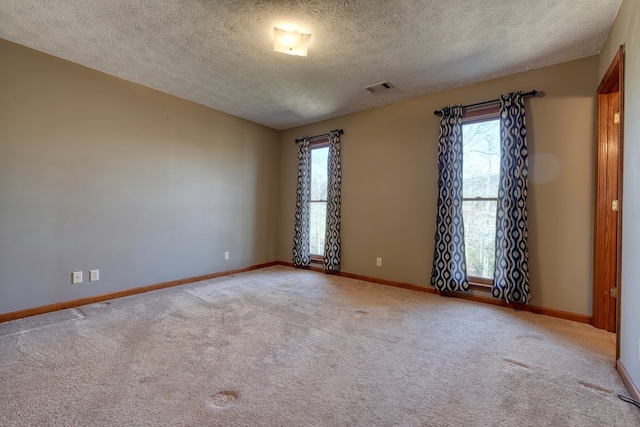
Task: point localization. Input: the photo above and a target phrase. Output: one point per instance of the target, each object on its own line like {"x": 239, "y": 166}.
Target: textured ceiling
{"x": 219, "y": 52}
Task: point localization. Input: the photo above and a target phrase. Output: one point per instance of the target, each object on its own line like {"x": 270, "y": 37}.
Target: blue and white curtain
{"x": 331, "y": 260}
{"x": 301, "y": 231}
{"x": 511, "y": 277}
{"x": 449, "y": 271}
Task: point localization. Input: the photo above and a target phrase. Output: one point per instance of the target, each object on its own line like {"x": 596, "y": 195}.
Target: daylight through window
{"x": 480, "y": 176}
{"x": 318, "y": 199}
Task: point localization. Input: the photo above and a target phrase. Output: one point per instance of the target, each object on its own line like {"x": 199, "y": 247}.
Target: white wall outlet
{"x": 226, "y": 256}
{"x": 94, "y": 275}
{"x": 379, "y": 262}
{"x": 76, "y": 277}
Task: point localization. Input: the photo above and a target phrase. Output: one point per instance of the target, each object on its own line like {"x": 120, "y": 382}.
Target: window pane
{"x": 319, "y": 158}
{"x": 479, "y": 237}
{"x": 317, "y": 225}
{"x": 481, "y": 154}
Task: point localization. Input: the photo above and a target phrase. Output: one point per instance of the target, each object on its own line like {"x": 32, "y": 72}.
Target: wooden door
{"x": 608, "y": 194}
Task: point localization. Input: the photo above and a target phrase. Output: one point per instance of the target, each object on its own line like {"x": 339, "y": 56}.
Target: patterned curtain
{"x": 449, "y": 271}
{"x": 301, "y": 232}
{"x": 511, "y": 277}
{"x": 331, "y": 260}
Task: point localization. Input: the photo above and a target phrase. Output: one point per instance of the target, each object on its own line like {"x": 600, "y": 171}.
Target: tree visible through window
{"x": 318, "y": 199}
{"x": 480, "y": 179}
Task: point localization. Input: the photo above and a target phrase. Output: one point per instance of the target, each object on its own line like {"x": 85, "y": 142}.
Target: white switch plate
{"x": 226, "y": 255}
{"x": 379, "y": 262}
{"x": 76, "y": 277}
{"x": 94, "y": 275}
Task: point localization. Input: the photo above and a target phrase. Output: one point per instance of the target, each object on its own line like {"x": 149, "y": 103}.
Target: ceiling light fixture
{"x": 290, "y": 42}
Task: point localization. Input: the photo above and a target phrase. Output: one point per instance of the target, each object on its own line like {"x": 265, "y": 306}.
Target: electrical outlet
{"x": 94, "y": 275}
{"x": 76, "y": 277}
{"x": 226, "y": 256}
{"x": 379, "y": 262}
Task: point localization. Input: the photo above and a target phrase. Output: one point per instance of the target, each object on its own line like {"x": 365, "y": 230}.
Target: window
{"x": 480, "y": 179}
{"x": 318, "y": 199}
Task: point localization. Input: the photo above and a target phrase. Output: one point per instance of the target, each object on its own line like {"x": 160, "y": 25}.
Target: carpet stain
{"x": 145, "y": 380}
{"x": 361, "y": 312}
{"x": 221, "y": 343}
{"x": 595, "y": 388}
{"x": 180, "y": 315}
{"x": 531, "y": 337}
{"x": 224, "y": 398}
{"x": 516, "y": 363}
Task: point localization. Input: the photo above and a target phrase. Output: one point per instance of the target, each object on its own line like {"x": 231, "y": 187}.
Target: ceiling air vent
{"x": 378, "y": 87}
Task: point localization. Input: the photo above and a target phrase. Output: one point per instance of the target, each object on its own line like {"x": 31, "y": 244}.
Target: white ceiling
{"x": 219, "y": 52}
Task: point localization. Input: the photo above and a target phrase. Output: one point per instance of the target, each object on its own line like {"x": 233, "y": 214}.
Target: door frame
{"x": 610, "y": 92}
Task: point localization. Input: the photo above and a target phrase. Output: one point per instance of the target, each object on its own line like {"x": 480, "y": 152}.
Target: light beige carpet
{"x": 286, "y": 347}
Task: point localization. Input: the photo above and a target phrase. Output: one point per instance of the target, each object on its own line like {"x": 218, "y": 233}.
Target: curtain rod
{"x": 324, "y": 135}
{"x": 477, "y": 104}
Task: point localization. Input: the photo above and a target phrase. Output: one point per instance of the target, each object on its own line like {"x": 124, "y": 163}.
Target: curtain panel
{"x": 301, "y": 230}
{"x": 449, "y": 272}
{"x": 331, "y": 261}
{"x": 511, "y": 277}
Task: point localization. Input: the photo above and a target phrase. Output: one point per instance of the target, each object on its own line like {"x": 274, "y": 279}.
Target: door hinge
{"x": 613, "y": 292}
{"x": 614, "y": 206}
{"x": 616, "y": 118}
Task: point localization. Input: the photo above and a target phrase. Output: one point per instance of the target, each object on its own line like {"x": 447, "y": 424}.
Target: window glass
{"x": 481, "y": 172}
{"x": 481, "y": 154}
{"x": 480, "y": 237}
{"x": 317, "y": 226}
{"x": 319, "y": 158}
{"x": 318, "y": 203}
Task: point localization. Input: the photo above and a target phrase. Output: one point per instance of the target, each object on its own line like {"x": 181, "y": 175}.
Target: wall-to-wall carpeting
{"x": 281, "y": 346}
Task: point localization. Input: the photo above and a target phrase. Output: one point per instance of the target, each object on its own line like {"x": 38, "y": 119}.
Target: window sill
{"x": 316, "y": 259}
{"x": 477, "y": 284}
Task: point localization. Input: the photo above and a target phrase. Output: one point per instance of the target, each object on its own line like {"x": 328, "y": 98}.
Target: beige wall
{"x": 97, "y": 172}
{"x": 389, "y": 160}
{"x": 626, "y": 30}
{"x": 100, "y": 173}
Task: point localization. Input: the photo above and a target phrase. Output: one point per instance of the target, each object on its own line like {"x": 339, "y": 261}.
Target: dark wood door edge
{"x": 612, "y": 84}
